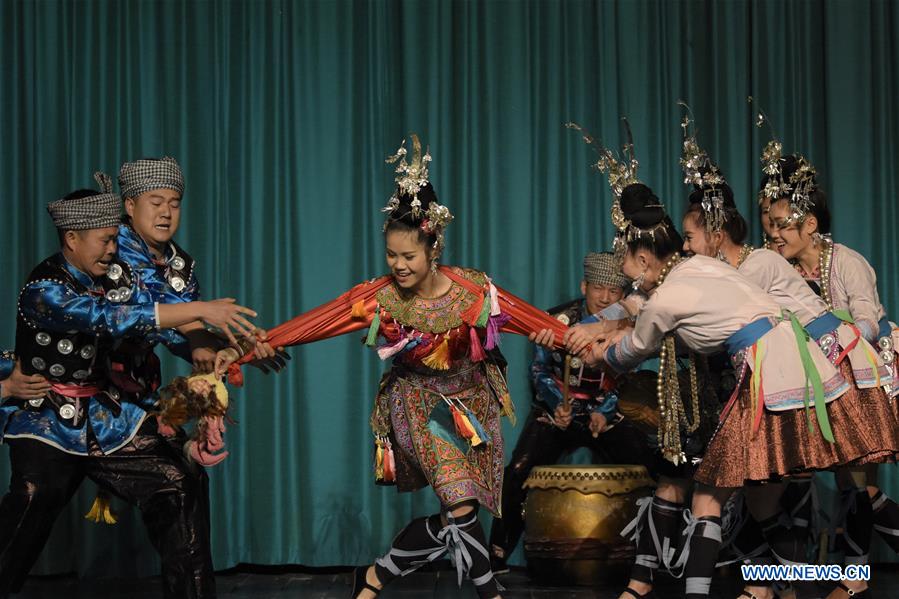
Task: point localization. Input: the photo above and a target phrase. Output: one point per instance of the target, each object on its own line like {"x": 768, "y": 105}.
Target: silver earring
{"x": 434, "y": 266}
{"x": 721, "y": 256}
{"x": 638, "y": 282}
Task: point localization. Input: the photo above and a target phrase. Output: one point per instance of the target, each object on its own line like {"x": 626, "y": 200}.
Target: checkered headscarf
{"x": 147, "y": 174}
{"x": 601, "y": 268}
{"x": 93, "y": 212}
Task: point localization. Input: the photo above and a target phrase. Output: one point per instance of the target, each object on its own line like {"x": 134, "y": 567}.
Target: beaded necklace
{"x": 825, "y": 258}
{"x": 671, "y": 408}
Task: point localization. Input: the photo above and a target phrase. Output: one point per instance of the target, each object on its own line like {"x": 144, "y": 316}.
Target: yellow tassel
{"x": 358, "y": 310}
{"x": 474, "y": 439}
{"x": 379, "y": 462}
{"x": 101, "y": 511}
{"x": 464, "y": 427}
{"x": 509, "y": 408}
{"x": 439, "y": 359}
{"x": 466, "y": 423}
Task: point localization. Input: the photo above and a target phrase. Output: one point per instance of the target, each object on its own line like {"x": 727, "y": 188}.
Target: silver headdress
{"x": 772, "y": 157}
{"x": 621, "y": 171}
{"x": 800, "y": 184}
{"x": 411, "y": 178}
{"x": 700, "y": 171}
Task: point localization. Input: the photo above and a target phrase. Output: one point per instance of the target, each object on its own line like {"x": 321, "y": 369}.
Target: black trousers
{"x": 150, "y": 473}
{"x": 542, "y": 444}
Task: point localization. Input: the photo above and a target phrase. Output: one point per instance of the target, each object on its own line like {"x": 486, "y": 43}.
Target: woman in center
{"x": 436, "y": 418}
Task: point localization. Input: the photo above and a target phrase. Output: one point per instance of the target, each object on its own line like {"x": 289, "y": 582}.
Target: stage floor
{"x": 317, "y": 584}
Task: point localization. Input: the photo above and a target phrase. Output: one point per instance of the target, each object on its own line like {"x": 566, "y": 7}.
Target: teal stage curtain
{"x": 281, "y": 114}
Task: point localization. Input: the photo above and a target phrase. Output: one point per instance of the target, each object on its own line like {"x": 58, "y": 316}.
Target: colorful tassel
{"x": 473, "y": 313}
{"x": 101, "y": 511}
{"x": 477, "y": 352}
{"x": 494, "y": 300}
{"x": 439, "y": 359}
{"x": 462, "y": 430}
{"x": 509, "y": 408}
{"x": 388, "y": 351}
{"x": 413, "y": 343}
{"x": 475, "y": 440}
{"x": 379, "y": 460}
{"x": 485, "y": 313}
{"x": 389, "y": 464}
{"x": 385, "y": 464}
{"x": 476, "y": 425}
{"x": 358, "y": 310}
{"x": 374, "y": 328}
{"x": 494, "y": 325}
{"x": 464, "y": 427}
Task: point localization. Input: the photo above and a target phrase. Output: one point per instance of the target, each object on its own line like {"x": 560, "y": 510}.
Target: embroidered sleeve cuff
{"x": 621, "y": 357}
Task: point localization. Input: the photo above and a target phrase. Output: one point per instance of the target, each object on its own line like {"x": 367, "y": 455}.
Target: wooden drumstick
{"x": 565, "y": 399}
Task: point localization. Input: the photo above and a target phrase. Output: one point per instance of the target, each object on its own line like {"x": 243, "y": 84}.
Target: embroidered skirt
{"x": 427, "y": 448}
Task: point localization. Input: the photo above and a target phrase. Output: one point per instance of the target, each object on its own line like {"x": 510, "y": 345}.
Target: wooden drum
{"x": 573, "y": 519}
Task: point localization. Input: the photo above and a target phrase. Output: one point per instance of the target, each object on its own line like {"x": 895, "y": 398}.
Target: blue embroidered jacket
{"x": 168, "y": 281}
{"x": 67, "y": 325}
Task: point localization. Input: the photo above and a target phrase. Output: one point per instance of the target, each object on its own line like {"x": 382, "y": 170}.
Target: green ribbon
{"x": 811, "y": 374}
{"x": 372, "y": 337}
{"x": 484, "y": 316}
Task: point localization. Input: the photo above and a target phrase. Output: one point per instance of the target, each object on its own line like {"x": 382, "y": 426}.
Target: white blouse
{"x": 853, "y": 287}
{"x": 770, "y": 271}
{"x": 703, "y": 301}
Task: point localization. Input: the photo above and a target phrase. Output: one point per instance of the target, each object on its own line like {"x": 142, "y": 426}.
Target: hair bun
{"x": 403, "y": 211}
{"x": 791, "y": 163}
{"x": 641, "y": 206}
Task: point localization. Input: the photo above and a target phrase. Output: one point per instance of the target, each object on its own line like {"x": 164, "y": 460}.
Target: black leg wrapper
{"x": 703, "y": 538}
{"x": 799, "y": 502}
{"x": 414, "y": 546}
{"x": 886, "y": 519}
{"x": 857, "y": 516}
{"x": 743, "y": 541}
{"x": 786, "y": 543}
{"x": 654, "y": 531}
{"x": 423, "y": 540}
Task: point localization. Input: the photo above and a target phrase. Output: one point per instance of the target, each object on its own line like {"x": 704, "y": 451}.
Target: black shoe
{"x": 647, "y": 595}
{"x": 361, "y": 584}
